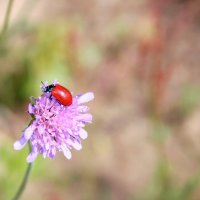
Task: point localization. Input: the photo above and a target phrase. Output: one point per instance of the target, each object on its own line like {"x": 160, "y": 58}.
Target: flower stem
{"x": 25, "y": 179}
{"x": 6, "y": 20}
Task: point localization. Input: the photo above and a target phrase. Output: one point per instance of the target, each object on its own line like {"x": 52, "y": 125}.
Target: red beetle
{"x": 60, "y": 93}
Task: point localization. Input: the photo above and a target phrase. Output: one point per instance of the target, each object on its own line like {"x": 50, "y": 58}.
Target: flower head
{"x": 55, "y": 127}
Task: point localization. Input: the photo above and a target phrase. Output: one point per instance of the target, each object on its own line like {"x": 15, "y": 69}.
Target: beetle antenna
{"x": 43, "y": 87}
{"x": 42, "y": 83}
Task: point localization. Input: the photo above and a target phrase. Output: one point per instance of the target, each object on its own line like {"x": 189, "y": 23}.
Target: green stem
{"x": 6, "y": 20}
{"x": 25, "y": 179}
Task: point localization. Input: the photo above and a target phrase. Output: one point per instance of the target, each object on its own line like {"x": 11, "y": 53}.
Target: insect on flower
{"x": 62, "y": 94}
{"x": 55, "y": 126}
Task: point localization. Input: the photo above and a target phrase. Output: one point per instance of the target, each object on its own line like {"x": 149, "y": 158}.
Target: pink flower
{"x": 56, "y": 127}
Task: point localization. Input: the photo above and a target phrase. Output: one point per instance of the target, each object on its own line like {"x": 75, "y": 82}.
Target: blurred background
{"x": 141, "y": 59}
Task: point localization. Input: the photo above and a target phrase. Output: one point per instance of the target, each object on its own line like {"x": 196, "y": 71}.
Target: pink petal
{"x": 41, "y": 129}
{"x": 77, "y": 145}
{"x": 85, "y": 98}
{"x": 83, "y": 108}
{"x": 74, "y": 144}
{"x": 31, "y": 157}
{"x": 83, "y": 134}
{"x": 55, "y": 82}
{"x": 85, "y": 118}
{"x": 19, "y": 144}
{"x": 28, "y": 132}
{"x": 30, "y": 108}
{"x": 66, "y": 152}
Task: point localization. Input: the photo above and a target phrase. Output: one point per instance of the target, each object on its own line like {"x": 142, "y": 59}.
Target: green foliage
{"x": 12, "y": 169}
{"x": 41, "y": 57}
{"x": 164, "y": 187}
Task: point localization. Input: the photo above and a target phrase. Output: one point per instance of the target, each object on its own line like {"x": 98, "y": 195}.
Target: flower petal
{"x": 83, "y": 109}
{"x": 52, "y": 153}
{"x": 86, "y": 97}
{"x": 85, "y": 118}
{"x": 41, "y": 129}
{"x": 55, "y": 127}
{"x": 76, "y": 145}
{"x": 28, "y": 132}
{"x": 19, "y": 144}
{"x": 30, "y": 109}
{"x": 31, "y": 157}
{"x": 83, "y": 133}
{"x": 66, "y": 152}
{"x": 55, "y": 82}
